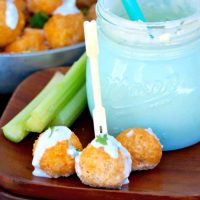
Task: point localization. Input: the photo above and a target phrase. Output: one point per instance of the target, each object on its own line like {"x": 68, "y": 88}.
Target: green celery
{"x": 47, "y": 110}
{"x": 68, "y": 115}
{"x": 15, "y": 130}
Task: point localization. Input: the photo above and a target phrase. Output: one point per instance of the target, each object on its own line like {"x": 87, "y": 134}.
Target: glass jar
{"x": 150, "y": 72}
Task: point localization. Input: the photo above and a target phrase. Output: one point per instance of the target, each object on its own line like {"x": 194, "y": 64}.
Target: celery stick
{"x": 15, "y": 130}
{"x": 46, "y": 111}
{"x": 68, "y": 115}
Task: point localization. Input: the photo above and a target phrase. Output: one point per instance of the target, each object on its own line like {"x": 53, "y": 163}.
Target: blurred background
{"x": 39, "y": 34}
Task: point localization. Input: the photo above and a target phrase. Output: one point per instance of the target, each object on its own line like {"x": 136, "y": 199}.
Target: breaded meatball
{"x": 144, "y": 147}
{"x": 46, "y": 6}
{"x": 85, "y": 3}
{"x": 105, "y": 165}
{"x": 92, "y": 13}
{"x": 21, "y": 4}
{"x": 31, "y": 40}
{"x": 12, "y": 22}
{"x": 54, "y": 153}
{"x": 63, "y": 30}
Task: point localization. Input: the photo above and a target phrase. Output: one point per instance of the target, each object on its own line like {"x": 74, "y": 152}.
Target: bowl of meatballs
{"x": 38, "y": 34}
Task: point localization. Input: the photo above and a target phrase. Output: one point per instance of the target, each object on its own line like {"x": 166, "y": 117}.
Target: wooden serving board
{"x": 176, "y": 177}
{"x": 4, "y": 195}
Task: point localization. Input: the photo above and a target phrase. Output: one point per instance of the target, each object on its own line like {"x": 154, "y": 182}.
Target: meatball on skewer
{"x": 104, "y": 163}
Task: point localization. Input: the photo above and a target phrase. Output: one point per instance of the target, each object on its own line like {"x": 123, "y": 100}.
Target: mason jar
{"x": 150, "y": 72}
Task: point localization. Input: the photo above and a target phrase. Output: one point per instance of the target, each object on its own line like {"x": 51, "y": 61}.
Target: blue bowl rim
{"x": 45, "y": 52}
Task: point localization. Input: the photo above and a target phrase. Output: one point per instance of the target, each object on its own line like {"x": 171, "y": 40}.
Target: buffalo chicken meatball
{"x": 64, "y": 30}
{"x": 144, "y": 147}
{"x": 104, "y": 163}
{"x": 46, "y": 6}
{"x": 30, "y": 41}
{"x": 54, "y": 153}
{"x": 12, "y": 22}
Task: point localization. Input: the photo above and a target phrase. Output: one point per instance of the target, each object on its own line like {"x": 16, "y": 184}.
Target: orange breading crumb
{"x": 66, "y": 30}
{"x": 98, "y": 169}
{"x": 46, "y": 6}
{"x": 31, "y": 40}
{"x": 145, "y": 148}
{"x": 21, "y": 4}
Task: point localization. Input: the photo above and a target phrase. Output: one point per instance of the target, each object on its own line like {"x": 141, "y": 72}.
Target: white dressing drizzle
{"x": 68, "y": 7}
{"x": 12, "y": 16}
{"x": 47, "y": 140}
{"x": 77, "y": 165}
{"x": 149, "y": 130}
{"x": 126, "y": 181}
{"x": 72, "y": 151}
{"x": 40, "y": 173}
{"x": 127, "y": 163}
{"x": 111, "y": 147}
{"x": 130, "y": 133}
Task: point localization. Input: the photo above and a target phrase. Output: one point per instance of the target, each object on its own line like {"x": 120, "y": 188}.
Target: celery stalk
{"x": 15, "y": 130}
{"x": 47, "y": 110}
{"x": 68, "y": 115}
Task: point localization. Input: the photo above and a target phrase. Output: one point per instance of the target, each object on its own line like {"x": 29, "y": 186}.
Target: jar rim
{"x": 171, "y": 33}
{"x": 173, "y": 36}
{"x": 117, "y": 20}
